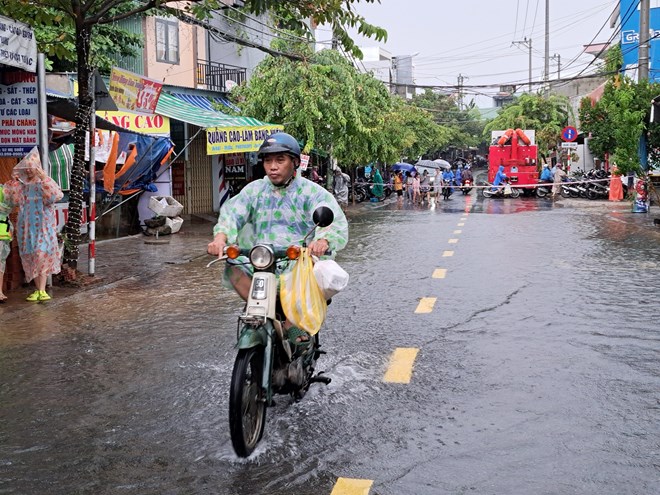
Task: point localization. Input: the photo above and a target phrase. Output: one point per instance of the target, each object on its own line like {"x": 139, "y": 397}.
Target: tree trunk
{"x": 79, "y": 170}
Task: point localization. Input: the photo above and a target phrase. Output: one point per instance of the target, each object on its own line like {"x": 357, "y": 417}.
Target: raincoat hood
{"x": 28, "y": 166}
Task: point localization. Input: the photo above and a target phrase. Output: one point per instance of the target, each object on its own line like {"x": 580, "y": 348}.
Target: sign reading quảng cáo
{"x": 221, "y": 140}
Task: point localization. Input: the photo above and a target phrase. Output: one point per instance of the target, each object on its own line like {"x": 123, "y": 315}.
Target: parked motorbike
{"x": 570, "y": 189}
{"x": 266, "y": 364}
{"x": 504, "y": 190}
{"x": 466, "y": 186}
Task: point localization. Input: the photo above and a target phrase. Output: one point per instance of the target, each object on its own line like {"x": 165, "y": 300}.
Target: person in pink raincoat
{"x": 36, "y": 230}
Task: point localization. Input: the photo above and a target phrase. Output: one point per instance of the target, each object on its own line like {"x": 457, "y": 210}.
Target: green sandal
{"x": 295, "y": 333}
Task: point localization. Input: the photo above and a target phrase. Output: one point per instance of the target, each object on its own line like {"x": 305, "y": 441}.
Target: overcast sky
{"x": 474, "y": 37}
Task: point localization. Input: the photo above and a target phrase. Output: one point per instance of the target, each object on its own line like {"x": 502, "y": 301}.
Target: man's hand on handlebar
{"x": 318, "y": 247}
{"x": 217, "y": 246}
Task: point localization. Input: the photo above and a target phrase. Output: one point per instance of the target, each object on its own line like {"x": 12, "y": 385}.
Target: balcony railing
{"x": 215, "y": 76}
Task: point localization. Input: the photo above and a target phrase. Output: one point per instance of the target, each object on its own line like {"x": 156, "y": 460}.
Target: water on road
{"x": 537, "y": 371}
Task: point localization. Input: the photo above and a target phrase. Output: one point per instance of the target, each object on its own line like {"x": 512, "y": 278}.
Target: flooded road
{"x": 538, "y": 368}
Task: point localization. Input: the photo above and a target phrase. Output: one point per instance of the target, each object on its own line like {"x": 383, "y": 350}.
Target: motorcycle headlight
{"x": 262, "y": 257}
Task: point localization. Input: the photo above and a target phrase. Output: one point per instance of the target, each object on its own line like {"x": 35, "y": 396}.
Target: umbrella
{"x": 405, "y": 167}
{"x": 442, "y": 163}
{"x": 429, "y": 164}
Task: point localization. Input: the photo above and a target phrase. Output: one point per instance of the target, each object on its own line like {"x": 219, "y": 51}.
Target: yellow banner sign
{"x": 221, "y": 140}
{"x": 146, "y": 124}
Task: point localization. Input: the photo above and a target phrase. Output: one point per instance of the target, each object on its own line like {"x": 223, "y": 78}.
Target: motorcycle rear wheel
{"x": 486, "y": 193}
{"x": 541, "y": 192}
{"x": 247, "y": 401}
{"x": 515, "y": 192}
{"x": 565, "y": 193}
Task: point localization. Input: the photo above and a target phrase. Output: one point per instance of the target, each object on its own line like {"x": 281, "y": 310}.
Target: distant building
{"x": 504, "y": 96}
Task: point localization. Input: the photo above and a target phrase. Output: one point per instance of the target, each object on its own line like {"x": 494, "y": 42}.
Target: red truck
{"x": 516, "y": 151}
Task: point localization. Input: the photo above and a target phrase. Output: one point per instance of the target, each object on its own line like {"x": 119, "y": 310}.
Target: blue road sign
{"x": 569, "y": 133}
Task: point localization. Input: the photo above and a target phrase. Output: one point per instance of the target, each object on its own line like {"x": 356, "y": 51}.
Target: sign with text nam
{"x": 221, "y": 140}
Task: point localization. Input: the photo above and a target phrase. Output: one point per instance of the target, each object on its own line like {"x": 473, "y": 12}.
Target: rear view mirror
{"x": 323, "y": 216}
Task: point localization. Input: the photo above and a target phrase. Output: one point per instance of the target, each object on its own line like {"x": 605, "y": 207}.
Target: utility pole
{"x": 644, "y": 8}
{"x": 546, "y": 76}
{"x": 460, "y": 91}
{"x": 528, "y": 44}
{"x": 557, "y": 57}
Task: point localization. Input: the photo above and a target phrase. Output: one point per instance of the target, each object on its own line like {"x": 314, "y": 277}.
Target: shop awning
{"x": 176, "y": 108}
{"x": 206, "y": 102}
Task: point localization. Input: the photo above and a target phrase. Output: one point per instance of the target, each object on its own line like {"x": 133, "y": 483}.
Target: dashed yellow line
{"x": 401, "y": 365}
{"x": 447, "y": 254}
{"x": 463, "y": 219}
{"x": 461, "y": 224}
{"x": 439, "y": 273}
{"x": 453, "y": 241}
{"x": 457, "y": 231}
{"x": 426, "y": 305}
{"x": 351, "y": 486}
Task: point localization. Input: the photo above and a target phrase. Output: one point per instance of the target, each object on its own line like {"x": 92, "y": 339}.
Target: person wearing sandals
{"x": 276, "y": 210}
{"x": 35, "y": 195}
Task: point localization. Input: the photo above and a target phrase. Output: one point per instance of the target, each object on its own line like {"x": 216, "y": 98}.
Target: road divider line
{"x": 401, "y": 365}
{"x": 426, "y": 305}
{"x": 453, "y": 241}
{"x": 461, "y": 224}
{"x": 447, "y": 254}
{"x": 439, "y": 273}
{"x": 352, "y": 486}
{"x": 458, "y": 231}
{"x": 463, "y": 219}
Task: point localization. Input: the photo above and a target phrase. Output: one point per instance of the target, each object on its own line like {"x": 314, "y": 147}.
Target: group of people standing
{"x": 35, "y": 194}
{"x": 419, "y": 188}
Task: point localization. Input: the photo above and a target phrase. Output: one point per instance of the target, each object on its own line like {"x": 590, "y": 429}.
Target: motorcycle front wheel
{"x": 486, "y": 193}
{"x": 247, "y": 401}
{"x": 565, "y": 193}
{"x": 541, "y": 192}
{"x": 515, "y": 192}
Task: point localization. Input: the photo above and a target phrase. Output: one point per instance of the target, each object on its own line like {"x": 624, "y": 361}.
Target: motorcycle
{"x": 544, "y": 189}
{"x": 466, "y": 186}
{"x": 504, "y": 190}
{"x": 266, "y": 364}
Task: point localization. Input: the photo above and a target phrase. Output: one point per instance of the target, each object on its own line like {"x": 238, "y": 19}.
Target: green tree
{"x": 617, "y": 121}
{"x": 328, "y": 103}
{"x": 545, "y": 115}
{"x": 465, "y": 125}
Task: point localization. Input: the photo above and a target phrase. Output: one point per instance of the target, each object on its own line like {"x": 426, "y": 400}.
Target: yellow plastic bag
{"x": 302, "y": 300}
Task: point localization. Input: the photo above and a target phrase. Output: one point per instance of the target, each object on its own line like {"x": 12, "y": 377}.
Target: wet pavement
{"x": 537, "y": 371}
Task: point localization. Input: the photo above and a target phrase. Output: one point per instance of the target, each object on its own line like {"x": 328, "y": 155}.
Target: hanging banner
{"x": 134, "y": 92}
{"x": 18, "y": 46}
{"x": 154, "y": 125}
{"x": 18, "y": 113}
{"x": 221, "y": 140}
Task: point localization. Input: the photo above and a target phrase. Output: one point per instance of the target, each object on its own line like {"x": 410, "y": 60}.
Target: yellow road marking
{"x": 425, "y": 305}
{"x": 457, "y": 231}
{"x": 462, "y": 224}
{"x": 453, "y": 241}
{"x": 447, "y": 254}
{"x": 439, "y": 273}
{"x": 350, "y": 486}
{"x": 463, "y": 219}
{"x": 401, "y": 365}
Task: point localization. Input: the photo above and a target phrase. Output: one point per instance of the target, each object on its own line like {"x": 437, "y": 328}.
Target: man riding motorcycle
{"x": 500, "y": 178}
{"x": 276, "y": 210}
{"x": 546, "y": 174}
